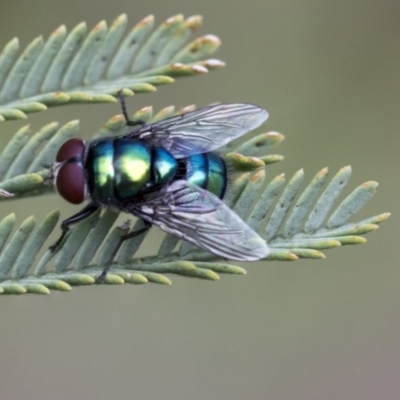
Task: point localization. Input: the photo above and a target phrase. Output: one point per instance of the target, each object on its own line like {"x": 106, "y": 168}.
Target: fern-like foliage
{"x": 82, "y": 67}
{"x": 296, "y": 223}
{"x": 89, "y": 68}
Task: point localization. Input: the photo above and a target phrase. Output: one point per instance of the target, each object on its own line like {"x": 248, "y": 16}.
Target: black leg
{"x": 80, "y": 216}
{"x": 128, "y": 121}
{"x": 130, "y": 235}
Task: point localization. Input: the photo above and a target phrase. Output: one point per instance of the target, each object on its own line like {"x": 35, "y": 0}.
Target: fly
{"x": 167, "y": 174}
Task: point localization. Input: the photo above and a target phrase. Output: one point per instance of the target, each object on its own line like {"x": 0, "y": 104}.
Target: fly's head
{"x": 67, "y": 174}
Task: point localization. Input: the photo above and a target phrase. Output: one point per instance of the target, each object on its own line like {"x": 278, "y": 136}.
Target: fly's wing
{"x": 202, "y": 130}
{"x": 201, "y": 218}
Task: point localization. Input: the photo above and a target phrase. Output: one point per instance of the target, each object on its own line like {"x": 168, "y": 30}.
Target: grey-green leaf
{"x": 91, "y": 67}
{"x": 294, "y": 229}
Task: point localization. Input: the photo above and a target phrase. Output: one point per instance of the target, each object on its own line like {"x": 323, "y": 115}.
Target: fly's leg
{"x": 130, "y": 235}
{"x": 80, "y": 216}
{"x": 128, "y": 121}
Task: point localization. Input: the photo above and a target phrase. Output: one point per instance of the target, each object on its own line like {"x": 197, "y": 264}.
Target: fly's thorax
{"x": 208, "y": 171}
{"x": 121, "y": 169}
{"x": 100, "y": 170}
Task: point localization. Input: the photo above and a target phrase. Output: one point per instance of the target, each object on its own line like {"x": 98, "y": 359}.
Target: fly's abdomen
{"x": 208, "y": 171}
{"x": 164, "y": 166}
{"x": 217, "y": 175}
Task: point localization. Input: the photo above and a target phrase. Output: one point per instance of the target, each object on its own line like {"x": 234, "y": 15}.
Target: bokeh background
{"x": 328, "y": 73}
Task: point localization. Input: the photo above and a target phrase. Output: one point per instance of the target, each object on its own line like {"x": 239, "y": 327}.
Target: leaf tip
{"x": 38, "y": 40}
{"x": 146, "y": 21}
{"x": 206, "y": 274}
{"x": 272, "y": 158}
{"x": 194, "y": 22}
{"x": 258, "y": 175}
{"x": 61, "y": 30}
{"x": 5, "y": 194}
{"x": 81, "y": 26}
{"x": 383, "y": 217}
{"x": 61, "y": 285}
{"x": 281, "y": 255}
{"x": 120, "y": 19}
{"x": 127, "y": 92}
{"x": 55, "y": 214}
{"x": 10, "y": 218}
{"x": 134, "y": 278}
{"x": 292, "y": 257}
{"x": 13, "y": 288}
{"x": 187, "y": 109}
{"x": 79, "y": 279}
{"x": 100, "y": 26}
{"x": 213, "y": 63}
{"x": 13, "y": 43}
{"x": 215, "y": 40}
{"x": 72, "y": 124}
{"x": 37, "y": 288}
{"x": 322, "y": 173}
{"x": 112, "y": 279}
{"x": 59, "y": 97}
{"x": 173, "y": 19}
{"x": 346, "y": 169}
{"x": 370, "y": 185}
{"x": 199, "y": 69}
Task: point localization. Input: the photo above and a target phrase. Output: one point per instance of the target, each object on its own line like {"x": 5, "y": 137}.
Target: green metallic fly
{"x": 167, "y": 174}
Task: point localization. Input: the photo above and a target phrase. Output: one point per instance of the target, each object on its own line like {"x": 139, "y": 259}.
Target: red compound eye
{"x": 70, "y": 180}
{"x": 70, "y": 149}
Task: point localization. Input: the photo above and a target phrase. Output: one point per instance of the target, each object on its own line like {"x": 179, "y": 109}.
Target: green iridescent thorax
{"x": 208, "y": 171}
{"x": 132, "y": 164}
{"x": 100, "y": 170}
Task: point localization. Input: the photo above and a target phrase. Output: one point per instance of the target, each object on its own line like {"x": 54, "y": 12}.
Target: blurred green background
{"x": 328, "y": 73}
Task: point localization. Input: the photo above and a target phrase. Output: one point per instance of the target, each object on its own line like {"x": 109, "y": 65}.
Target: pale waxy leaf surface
{"x": 294, "y": 218}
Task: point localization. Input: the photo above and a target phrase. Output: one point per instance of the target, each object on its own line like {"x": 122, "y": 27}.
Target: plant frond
{"x": 82, "y": 67}
{"x": 25, "y": 160}
{"x": 296, "y": 223}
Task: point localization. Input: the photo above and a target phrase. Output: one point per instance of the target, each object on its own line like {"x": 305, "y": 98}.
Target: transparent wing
{"x": 202, "y": 130}
{"x": 201, "y": 218}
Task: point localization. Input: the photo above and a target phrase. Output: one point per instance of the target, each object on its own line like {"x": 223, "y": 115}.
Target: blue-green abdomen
{"x": 207, "y": 170}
